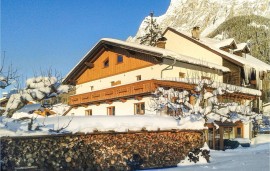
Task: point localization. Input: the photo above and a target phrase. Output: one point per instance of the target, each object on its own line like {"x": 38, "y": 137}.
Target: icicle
{"x": 247, "y": 71}
{"x": 257, "y": 78}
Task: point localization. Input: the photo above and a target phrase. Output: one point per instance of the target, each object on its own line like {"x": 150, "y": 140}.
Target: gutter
{"x": 167, "y": 68}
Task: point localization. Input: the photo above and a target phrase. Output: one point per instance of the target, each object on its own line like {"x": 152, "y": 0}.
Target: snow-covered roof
{"x": 247, "y": 61}
{"x": 241, "y": 46}
{"x": 225, "y": 42}
{"x": 169, "y": 54}
{"x": 159, "y": 52}
{"x": 214, "y": 45}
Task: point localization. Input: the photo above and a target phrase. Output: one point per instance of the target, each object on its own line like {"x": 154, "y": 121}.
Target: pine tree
{"x": 152, "y": 32}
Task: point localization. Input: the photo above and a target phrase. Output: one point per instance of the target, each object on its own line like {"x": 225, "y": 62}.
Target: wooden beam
{"x": 109, "y": 101}
{"x": 131, "y": 52}
{"x": 123, "y": 100}
{"x": 97, "y": 103}
{"x": 138, "y": 98}
{"x": 107, "y": 47}
{"x": 84, "y": 105}
{"x": 89, "y": 65}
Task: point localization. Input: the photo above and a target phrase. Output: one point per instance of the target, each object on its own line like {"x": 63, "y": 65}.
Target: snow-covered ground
{"x": 254, "y": 158}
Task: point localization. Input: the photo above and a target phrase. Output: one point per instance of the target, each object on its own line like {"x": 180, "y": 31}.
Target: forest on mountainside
{"x": 252, "y": 29}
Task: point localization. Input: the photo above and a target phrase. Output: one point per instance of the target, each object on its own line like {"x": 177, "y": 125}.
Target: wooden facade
{"x": 107, "y": 64}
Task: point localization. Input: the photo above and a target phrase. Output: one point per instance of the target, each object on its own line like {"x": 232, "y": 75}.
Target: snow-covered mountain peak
{"x": 183, "y": 15}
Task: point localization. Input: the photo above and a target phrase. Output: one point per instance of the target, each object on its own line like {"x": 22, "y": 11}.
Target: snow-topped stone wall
{"x": 98, "y": 151}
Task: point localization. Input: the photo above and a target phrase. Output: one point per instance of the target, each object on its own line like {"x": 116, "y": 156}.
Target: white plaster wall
{"x": 152, "y": 72}
{"x": 126, "y": 108}
{"x": 192, "y": 71}
{"x": 266, "y": 109}
{"x": 183, "y": 46}
{"x": 125, "y": 78}
{"x": 247, "y": 130}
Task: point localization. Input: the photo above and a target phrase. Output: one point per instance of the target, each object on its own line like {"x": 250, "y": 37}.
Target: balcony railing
{"x": 118, "y": 92}
{"x": 146, "y": 87}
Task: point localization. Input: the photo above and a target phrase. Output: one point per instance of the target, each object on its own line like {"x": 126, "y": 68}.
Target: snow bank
{"x": 88, "y": 124}
{"x": 261, "y": 139}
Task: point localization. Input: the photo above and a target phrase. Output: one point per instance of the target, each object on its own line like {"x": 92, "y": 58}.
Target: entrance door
{"x": 217, "y": 139}
{"x": 211, "y": 138}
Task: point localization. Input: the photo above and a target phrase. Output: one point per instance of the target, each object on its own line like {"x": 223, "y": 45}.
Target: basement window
{"x": 106, "y": 63}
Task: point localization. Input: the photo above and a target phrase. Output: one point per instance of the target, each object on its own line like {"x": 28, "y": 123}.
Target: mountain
{"x": 255, "y": 30}
{"x": 183, "y": 15}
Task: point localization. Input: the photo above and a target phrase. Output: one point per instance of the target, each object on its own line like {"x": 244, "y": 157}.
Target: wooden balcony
{"x": 135, "y": 90}
{"x": 114, "y": 93}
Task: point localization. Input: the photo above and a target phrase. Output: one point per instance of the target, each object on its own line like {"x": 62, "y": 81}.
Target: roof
{"x": 155, "y": 51}
{"x": 242, "y": 46}
{"x": 212, "y": 45}
{"x": 225, "y": 42}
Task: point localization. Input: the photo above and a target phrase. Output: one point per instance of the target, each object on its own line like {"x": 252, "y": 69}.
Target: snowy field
{"x": 254, "y": 158}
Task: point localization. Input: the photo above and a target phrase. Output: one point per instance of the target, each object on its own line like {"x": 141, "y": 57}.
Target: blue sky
{"x": 39, "y": 34}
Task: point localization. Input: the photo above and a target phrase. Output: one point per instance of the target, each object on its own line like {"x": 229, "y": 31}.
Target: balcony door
{"x": 111, "y": 111}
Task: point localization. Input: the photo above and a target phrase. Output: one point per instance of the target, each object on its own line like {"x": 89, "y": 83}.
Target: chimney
{"x": 161, "y": 42}
{"x": 196, "y": 33}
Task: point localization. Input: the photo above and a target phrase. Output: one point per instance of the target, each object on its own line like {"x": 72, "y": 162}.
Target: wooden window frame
{"x": 142, "y": 111}
{"x": 241, "y": 132}
{"x": 204, "y": 77}
{"x": 106, "y": 61}
{"x": 117, "y": 57}
{"x": 88, "y": 112}
{"x": 92, "y": 88}
{"x": 182, "y": 75}
{"x": 139, "y": 77}
{"x": 111, "y": 109}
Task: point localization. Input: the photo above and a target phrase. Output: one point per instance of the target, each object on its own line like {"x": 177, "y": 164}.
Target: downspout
{"x": 167, "y": 68}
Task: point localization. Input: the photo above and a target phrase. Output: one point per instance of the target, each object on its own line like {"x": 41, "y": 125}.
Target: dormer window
{"x": 119, "y": 59}
{"x": 106, "y": 63}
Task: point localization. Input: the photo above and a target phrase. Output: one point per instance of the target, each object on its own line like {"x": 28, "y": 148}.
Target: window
{"x": 88, "y": 112}
{"x": 139, "y": 77}
{"x": 139, "y": 108}
{"x": 114, "y": 83}
{"x": 106, "y": 63}
{"x": 119, "y": 58}
{"x": 111, "y": 111}
{"x": 181, "y": 75}
{"x": 204, "y": 77}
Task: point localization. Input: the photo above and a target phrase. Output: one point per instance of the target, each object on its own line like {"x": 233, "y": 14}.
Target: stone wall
{"x": 98, "y": 151}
